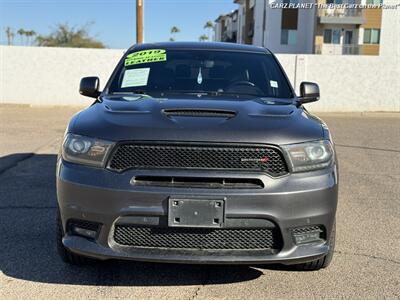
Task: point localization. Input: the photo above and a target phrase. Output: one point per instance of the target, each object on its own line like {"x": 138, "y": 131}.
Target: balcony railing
{"x": 341, "y": 15}
{"x": 340, "y": 12}
{"x": 337, "y": 49}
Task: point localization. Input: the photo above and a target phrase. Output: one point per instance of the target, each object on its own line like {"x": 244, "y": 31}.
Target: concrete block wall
{"x": 352, "y": 83}
{"x": 50, "y": 76}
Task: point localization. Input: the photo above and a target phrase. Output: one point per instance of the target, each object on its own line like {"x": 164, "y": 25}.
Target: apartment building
{"x": 307, "y": 28}
{"x": 348, "y": 30}
{"x": 226, "y": 27}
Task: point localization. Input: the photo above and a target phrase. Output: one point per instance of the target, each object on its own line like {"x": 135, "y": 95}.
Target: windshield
{"x": 159, "y": 72}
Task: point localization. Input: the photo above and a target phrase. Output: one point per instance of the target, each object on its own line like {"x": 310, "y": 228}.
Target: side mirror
{"x": 309, "y": 92}
{"x": 90, "y": 87}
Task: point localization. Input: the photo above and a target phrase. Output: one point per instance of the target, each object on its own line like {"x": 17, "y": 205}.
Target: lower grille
{"x": 198, "y": 238}
{"x": 310, "y": 229}
{"x": 199, "y": 182}
{"x": 82, "y": 224}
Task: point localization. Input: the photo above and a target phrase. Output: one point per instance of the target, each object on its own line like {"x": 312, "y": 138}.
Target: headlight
{"x": 309, "y": 156}
{"x": 84, "y": 150}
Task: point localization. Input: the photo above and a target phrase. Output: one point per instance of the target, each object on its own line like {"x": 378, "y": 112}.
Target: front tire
{"x": 66, "y": 255}
{"x": 324, "y": 261}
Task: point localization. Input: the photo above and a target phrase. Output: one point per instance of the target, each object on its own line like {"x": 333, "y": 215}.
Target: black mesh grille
{"x": 307, "y": 229}
{"x": 82, "y": 224}
{"x": 198, "y": 238}
{"x": 265, "y": 159}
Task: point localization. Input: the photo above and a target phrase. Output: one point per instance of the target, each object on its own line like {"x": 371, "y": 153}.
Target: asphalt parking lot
{"x": 366, "y": 263}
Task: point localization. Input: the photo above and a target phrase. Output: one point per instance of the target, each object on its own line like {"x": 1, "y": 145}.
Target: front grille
{"x": 198, "y": 238}
{"x": 178, "y": 156}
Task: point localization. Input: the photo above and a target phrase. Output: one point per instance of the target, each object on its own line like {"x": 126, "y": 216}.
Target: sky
{"x": 113, "y": 21}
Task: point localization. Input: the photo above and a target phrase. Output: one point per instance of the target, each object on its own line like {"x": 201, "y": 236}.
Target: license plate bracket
{"x": 208, "y": 213}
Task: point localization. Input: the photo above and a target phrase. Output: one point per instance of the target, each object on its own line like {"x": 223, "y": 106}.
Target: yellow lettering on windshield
{"x": 146, "y": 56}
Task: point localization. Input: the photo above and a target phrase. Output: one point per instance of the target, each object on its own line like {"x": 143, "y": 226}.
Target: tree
{"x": 174, "y": 31}
{"x": 29, "y": 34}
{"x": 65, "y": 36}
{"x": 203, "y": 38}
{"x": 10, "y": 35}
{"x": 21, "y": 33}
{"x": 209, "y": 26}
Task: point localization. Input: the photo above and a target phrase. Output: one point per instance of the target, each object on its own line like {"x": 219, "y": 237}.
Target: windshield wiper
{"x": 194, "y": 93}
{"x": 209, "y": 93}
{"x": 240, "y": 94}
{"x": 137, "y": 92}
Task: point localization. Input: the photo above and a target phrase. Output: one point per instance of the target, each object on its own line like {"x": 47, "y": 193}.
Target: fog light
{"x": 83, "y": 228}
{"x": 308, "y": 234}
{"x": 85, "y": 232}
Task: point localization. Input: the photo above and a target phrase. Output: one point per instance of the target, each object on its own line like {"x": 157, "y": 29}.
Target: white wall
{"x": 258, "y": 22}
{"x": 390, "y": 30}
{"x": 50, "y": 76}
{"x": 352, "y": 82}
{"x": 41, "y": 75}
{"x": 241, "y": 21}
{"x": 217, "y": 30}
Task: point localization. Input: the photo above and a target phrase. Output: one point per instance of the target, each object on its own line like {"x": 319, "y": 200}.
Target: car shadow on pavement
{"x": 28, "y": 248}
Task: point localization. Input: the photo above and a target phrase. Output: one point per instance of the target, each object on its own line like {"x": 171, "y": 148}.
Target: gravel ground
{"x": 366, "y": 263}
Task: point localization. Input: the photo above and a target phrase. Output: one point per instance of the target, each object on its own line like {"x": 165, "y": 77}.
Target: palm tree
{"x": 203, "y": 38}
{"x": 209, "y": 26}
{"x": 10, "y": 35}
{"x": 174, "y": 31}
{"x": 21, "y": 32}
{"x": 29, "y": 34}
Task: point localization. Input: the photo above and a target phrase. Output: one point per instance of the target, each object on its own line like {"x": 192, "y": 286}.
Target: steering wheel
{"x": 247, "y": 87}
{"x": 239, "y": 83}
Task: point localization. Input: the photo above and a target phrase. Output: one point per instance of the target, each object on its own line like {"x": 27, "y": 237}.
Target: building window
{"x": 334, "y": 1}
{"x": 289, "y": 26}
{"x": 288, "y": 37}
{"x": 371, "y": 36}
{"x": 327, "y": 36}
{"x": 332, "y": 36}
{"x": 336, "y": 36}
{"x": 375, "y": 2}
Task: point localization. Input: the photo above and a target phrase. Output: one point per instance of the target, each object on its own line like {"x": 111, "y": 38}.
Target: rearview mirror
{"x": 309, "y": 92}
{"x": 90, "y": 87}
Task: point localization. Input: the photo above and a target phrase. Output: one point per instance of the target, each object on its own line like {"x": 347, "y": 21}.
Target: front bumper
{"x": 105, "y": 197}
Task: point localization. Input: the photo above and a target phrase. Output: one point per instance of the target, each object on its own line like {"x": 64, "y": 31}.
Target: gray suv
{"x": 198, "y": 153}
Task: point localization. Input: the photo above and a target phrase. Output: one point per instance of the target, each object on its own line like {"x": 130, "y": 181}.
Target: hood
{"x": 261, "y": 121}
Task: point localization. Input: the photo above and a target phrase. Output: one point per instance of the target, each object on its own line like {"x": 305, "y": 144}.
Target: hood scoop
{"x": 199, "y": 112}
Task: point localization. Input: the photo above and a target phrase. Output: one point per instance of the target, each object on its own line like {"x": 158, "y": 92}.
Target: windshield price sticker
{"x": 273, "y": 83}
{"x": 146, "y": 56}
{"x": 135, "y": 77}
